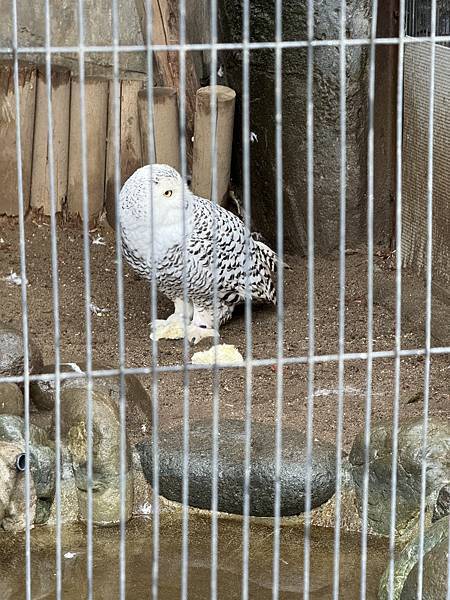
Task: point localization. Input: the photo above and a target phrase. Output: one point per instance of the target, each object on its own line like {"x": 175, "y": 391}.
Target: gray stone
{"x": 11, "y": 352}
{"x": 43, "y": 392}
{"x": 106, "y": 453}
{"x": 408, "y": 471}
{"x": 42, "y": 460}
{"x": 435, "y": 548}
{"x": 11, "y": 399}
{"x": 435, "y": 566}
{"x": 231, "y": 468}
{"x": 326, "y": 90}
{"x": 442, "y": 506}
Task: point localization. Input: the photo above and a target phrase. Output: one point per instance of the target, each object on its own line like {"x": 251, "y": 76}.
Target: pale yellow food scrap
{"x": 172, "y": 330}
{"x": 222, "y": 354}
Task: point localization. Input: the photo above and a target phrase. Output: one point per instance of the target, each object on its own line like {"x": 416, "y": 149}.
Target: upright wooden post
{"x": 166, "y": 130}
{"x": 165, "y": 25}
{"x": 40, "y": 181}
{"x": 109, "y": 189}
{"x": 96, "y": 104}
{"x": 130, "y": 141}
{"x": 8, "y": 154}
{"x": 223, "y": 122}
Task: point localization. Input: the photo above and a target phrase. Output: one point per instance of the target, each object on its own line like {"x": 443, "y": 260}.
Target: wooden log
{"x": 96, "y": 110}
{"x": 166, "y": 31}
{"x": 130, "y": 141}
{"x": 166, "y": 136}
{"x": 110, "y": 154}
{"x": 40, "y": 180}
{"x": 223, "y": 122}
{"x": 8, "y": 155}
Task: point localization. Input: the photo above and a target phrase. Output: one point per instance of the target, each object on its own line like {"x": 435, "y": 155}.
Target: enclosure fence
{"x": 421, "y": 31}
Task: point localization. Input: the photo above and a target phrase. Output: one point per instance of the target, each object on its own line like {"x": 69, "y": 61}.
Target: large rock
{"x": 435, "y": 548}
{"x": 435, "y": 567}
{"x": 12, "y": 488}
{"x": 139, "y": 406}
{"x": 326, "y": 91}
{"x": 11, "y": 352}
{"x": 231, "y": 468}
{"x": 106, "y": 453}
{"x": 11, "y": 399}
{"x": 408, "y": 472}
{"x": 42, "y": 460}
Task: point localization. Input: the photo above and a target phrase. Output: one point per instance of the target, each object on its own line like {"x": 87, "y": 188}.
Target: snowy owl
{"x": 205, "y": 224}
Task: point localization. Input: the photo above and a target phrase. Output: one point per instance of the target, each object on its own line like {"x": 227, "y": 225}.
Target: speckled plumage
{"x": 206, "y": 224}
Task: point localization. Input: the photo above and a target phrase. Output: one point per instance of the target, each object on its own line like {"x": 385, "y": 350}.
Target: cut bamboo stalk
{"x": 166, "y": 142}
{"x": 9, "y": 203}
{"x": 223, "y": 120}
{"x": 40, "y": 180}
{"x": 96, "y": 108}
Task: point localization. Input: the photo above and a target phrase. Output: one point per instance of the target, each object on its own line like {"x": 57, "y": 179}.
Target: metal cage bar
{"x": 415, "y": 19}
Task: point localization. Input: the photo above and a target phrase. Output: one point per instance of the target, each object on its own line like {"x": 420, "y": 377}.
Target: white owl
{"x": 155, "y": 192}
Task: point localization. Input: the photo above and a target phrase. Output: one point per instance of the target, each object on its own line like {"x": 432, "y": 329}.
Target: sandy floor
{"x": 232, "y": 384}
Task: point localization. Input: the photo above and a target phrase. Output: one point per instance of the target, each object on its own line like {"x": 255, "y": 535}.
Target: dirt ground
{"x": 232, "y": 383}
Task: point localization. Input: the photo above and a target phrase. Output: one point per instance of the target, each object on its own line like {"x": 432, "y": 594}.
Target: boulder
{"x": 11, "y": 352}
{"x": 408, "y": 471}
{"x": 12, "y": 488}
{"x": 11, "y": 399}
{"x": 442, "y": 506}
{"x": 139, "y": 405}
{"x": 42, "y": 460}
{"x": 231, "y": 468}
{"x": 435, "y": 549}
{"x": 106, "y": 452}
{"x": 435, "y": 566}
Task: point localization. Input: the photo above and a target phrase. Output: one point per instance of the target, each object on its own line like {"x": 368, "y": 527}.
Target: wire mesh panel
{"x": 333, "y": 422}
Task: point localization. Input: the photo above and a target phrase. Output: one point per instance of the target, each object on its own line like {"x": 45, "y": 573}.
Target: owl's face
{"x": 155, "y": 191}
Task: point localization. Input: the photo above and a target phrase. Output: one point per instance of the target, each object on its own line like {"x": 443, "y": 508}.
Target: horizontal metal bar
{"x": 288, "y": 44}
{"x": 260, "y": 362}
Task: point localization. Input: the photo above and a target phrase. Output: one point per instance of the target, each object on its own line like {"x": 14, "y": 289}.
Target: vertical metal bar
{"x": 248, "y": 303}
{"x": 55, "y": 296}
{"x": 448, "y": 562}
{"x": 280, "y": 295}
{"x": 87, "y": 296}
{"x": 311, "y": 307}
{"x": 215, "y": 370}
{"x": 370, "y": 201}
{"x": 398, "y": 305}
{"x": 429, "y": 259}
{"x": 153, "y": 308}
{"x": 186, "y": 379}
{"x": 23, "y": 289}
{"x": 120, "y": 304}
{"x": 342, "y": 242}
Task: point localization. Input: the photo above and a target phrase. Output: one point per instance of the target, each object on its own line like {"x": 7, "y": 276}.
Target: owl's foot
{"x": 196, "y": 333}
{"x": 168, "y": 329}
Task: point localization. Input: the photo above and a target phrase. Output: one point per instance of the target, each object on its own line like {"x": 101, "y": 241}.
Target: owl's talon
{"x": 196, "y": 333}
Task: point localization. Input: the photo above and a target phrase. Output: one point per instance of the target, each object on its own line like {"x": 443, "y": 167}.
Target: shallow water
{"x": 229, "y": 576}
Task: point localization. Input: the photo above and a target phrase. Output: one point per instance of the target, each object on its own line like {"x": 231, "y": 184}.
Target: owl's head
{"x": 156, "y": 190}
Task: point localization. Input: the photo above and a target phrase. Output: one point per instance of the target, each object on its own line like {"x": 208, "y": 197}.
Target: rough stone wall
{"x": 326, "y": 120}
{"x": 65, "y": 32}
{"x": 415, "y": 162}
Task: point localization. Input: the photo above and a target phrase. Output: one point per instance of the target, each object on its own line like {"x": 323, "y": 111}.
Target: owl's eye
{"x": 168, "y": 193}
